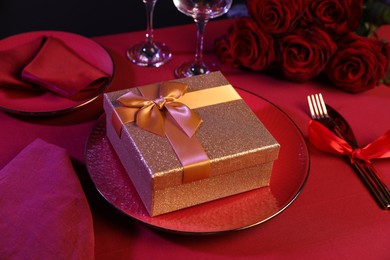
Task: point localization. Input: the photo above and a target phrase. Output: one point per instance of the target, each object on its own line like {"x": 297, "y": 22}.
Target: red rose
{"x": 305, "y": 53}
{"x": 246, "y": 46}
{"x": 222, "y": 50}
{"x": 359, "y": 63}
{"x": 275, "y": 16}
{"x": 334, "y": 16}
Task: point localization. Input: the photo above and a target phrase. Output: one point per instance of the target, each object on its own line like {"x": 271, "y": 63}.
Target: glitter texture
{"x": 240, "y": 148}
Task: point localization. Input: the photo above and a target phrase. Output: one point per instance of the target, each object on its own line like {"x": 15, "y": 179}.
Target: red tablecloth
{"x": 334, "y": 216}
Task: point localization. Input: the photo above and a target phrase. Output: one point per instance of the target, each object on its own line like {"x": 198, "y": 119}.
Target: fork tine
{"x": 313, "y": 100}
{"x": 313, "y": 115}
{"x": 319, "y": 105}
{"x": 323, "y": 105}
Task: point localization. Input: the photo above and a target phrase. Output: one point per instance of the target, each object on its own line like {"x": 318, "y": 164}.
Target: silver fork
{"x": 317, "y": 106}
{"x": 331, "y": 119}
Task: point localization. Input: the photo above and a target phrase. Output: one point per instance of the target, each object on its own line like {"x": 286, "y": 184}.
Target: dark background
{"x": 87, "y": 17}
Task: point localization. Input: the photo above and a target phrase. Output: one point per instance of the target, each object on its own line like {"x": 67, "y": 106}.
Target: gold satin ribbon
{"x": 166, "y": 110}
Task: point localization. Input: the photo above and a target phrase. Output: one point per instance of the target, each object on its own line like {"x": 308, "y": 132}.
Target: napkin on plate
{"x": 43, "y": 211}
{"x": 51, "y": 64}
{"x": 11, "y": 62}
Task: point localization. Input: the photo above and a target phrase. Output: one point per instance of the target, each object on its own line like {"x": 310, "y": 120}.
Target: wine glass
{"x": 201, "y": 11}
{"x": 149, "y": 53}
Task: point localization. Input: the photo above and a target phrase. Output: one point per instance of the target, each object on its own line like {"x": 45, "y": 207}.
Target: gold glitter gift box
{"x": 239, "y": 149}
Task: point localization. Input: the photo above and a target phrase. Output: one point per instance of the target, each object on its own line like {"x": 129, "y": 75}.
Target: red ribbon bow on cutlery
{"x": 325, "y": 140}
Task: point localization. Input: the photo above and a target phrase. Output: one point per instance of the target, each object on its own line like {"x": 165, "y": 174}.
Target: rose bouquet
{"x": 303, "y": 39}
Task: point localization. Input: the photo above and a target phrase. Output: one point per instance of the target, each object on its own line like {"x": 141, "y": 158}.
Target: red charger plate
{"x": 236, "y": 212}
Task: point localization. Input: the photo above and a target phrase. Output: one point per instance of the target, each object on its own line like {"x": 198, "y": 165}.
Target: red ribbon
{"x": 324, "y": 139}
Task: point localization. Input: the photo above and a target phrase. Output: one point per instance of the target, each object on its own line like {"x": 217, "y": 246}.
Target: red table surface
{"x": 334, "y": 216}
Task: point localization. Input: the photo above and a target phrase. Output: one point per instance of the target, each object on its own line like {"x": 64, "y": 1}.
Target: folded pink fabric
{"x": 43, "y": 211}
{"x": 53, "y": 66}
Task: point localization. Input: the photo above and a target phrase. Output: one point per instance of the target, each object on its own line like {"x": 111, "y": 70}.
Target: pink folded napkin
{"x": 44, "y": 213}
{"x": 50, "y": 64}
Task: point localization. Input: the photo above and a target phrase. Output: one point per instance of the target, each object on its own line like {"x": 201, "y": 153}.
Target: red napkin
{"x": 53, "y": 66}
{"x": 43, "y": 211}
{"x": 13, "y": 60}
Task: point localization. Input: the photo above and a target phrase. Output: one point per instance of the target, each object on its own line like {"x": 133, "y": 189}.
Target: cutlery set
{"x": 333, "y": 121}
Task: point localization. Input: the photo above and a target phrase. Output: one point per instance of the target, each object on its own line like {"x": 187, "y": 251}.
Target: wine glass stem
{"x": 149, "y": 4}
{"x": 201, "y": 24}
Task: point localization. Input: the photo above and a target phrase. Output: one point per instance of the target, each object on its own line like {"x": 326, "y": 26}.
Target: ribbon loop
{"x": 325, "y": 140}
{"x": 172, "y": 90}
{"x": 132, "y": 100}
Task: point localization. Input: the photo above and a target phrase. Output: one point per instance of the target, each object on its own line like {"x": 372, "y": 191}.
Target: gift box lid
{"x": 231, "y": 135}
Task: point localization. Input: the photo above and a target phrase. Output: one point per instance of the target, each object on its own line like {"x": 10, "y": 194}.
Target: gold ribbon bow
{"x": 150, "y": 112}
{"x": 158, "y": 111}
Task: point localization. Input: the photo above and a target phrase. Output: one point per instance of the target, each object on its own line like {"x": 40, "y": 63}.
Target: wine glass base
{"x": 147, "y": 54}
{"x": 190, "y": 69}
